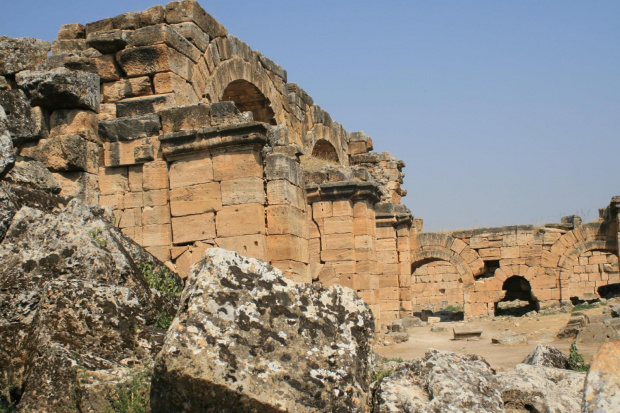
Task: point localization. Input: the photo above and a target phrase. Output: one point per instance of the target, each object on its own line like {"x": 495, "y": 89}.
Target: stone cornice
{"x": 334, "y": 191}
{"x": 176, "y": 144}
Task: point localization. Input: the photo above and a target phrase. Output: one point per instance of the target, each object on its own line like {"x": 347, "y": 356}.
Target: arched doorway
{"x": 325, "y": 151}
{"x": 518, "y": 299}
{"x": 248, "y": 98}
{"x": 436, "y": 285}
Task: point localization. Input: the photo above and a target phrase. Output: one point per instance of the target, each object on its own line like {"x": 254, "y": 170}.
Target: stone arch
{"x": 235, "y": 70}
{"x": 516, "y": 289}
{"x": 572, "y": 246}
{"x": 334, "y": 135}
{"x": 323, "y": 149}
{"x": 248, "y": 98}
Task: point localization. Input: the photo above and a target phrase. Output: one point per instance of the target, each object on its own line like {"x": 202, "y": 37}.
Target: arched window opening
{"x": 325, "y": 151}
{"x": 518, "y": 299}
{"x": 248, "y": 98}
{"x": 437, "y": 290}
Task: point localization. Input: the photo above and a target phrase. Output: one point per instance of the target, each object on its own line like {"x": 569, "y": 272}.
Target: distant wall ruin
{"x": 195, "y": 140}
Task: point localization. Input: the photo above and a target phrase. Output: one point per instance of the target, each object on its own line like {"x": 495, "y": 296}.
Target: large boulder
{"x": 440, "y": 382}
{"x": 547, "y": 356}
{"x": 74, "y": 300}
{"x": 33, "y": 174}
{"x": 602, "y": 388}
{"x": 21, "y": 54}
{"x": 247, "y": 339}
{"x": 541, "y": 389}
{"x": 61, "y": 88}
{"x": 7, "y": 158}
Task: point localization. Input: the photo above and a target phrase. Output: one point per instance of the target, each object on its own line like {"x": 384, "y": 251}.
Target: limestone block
{"x": 192, "y": 170}
{"x": 287, "y": 247}
{"x": 282, "y": 192}
{"x": 155, "y": 175}
{"x": 61, "y": 88}
{"x": 364, "y": 226}
{"x": 71, "y": 31}
{"x": 153, "y": 15}
{"x": 156, "y": 235}
{"x": 155, "y": 198}
{"x": 185, "y": 118}
{"x": 126, "y": 88}
{"x": 364, "y": 242}
{"x": 279, "y": 166}
{"x": 282, "y": 219}
{"x": 135, "y": 178}
{"x": 235, "y": 165}
{"x": 121, "y": 153}
{"x": 68, "y": 153}
{"x": 164, "y": 34}
{"x": 113, "y": 181}
{"x": 170, "y": 82}
{"x": 254, "y": 246}
{"x": 80, "y": 185}
{"x": 361, "y": 209}
{"x": 510, "y": 252}
{"x": 134, "y": 233}
{"x": 193, "y": 33}
{"x": 74, "y": 122}
{"x": 344, "y": 268}
{"x": 21, "y": 54}
{"x": 388, "y": 257}
{"x": 189, "y": 11}
{"x": 133, "y": 199}
{"x": 193, "y": 228}
{"x": 131, "y": 217}
{"x": 342, "y": 208}
{"x": 386, "y": 244}
{"x": 19, "y": 114}
{"x": 161, "y": 253}
{"x": 338, "y": 225}
{"x": 114, "y": 201}
{"x": 338, "y": 241}
{"x": 107, "y": 111}
{"x": 246, "y": 219}
{"x": 294, "y": 270}
{"x": 196, "y": 199}
{"x": 152, "y": 215}
{"x": 338, "y": 255}
{"x": 322, "y": 209}
{"x": 144, "y": 105}
{"x": 148, "y": 60}
{"x": 108, "y": 41}
{"x": 386, "y": 232}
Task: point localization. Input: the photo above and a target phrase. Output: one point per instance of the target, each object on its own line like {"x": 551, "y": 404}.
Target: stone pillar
{"x": 343, "y": 237}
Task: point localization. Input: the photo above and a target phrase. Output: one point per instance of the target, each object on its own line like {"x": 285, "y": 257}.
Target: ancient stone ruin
{"x": 195, "y": 141}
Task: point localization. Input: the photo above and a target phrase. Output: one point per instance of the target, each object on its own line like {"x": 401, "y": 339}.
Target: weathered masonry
{"x": 195, "y": 140}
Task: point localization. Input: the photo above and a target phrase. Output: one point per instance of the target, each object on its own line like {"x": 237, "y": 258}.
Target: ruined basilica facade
{"x": 195, "y": 140}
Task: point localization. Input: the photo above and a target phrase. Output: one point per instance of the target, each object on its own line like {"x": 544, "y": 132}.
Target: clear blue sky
{"x": 505, "y": 112}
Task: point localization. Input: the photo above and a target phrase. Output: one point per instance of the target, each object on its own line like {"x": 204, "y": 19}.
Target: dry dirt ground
{"x": 539, "y": 329}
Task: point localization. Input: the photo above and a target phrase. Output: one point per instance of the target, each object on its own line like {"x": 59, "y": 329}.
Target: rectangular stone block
{"x": 386, "y": 232}
{"x": 152, "y": 215}
{"x": 155, "y": 175}
{"x": 294, "y": 270}
{"x": 113, "y": 180}
{"x": 235, "y": 165}
{"x": 287, "y": 247}
{"x": 243, "y": 191}
{"x": 79, "y": 122}
{"x": 282, "y": 192}
{"x": 195, "y": 199}
{"x": 338, "y": 255}
{"x": 126, "y": 88}
{"x": 254, "y": 246}
{"x": 342, "y": 208}
{"x": 243, "y": 219}
{"x": 195, "y": 169}
{"x": 338, "y": 241}
{"x": 193, "y": 228}
{"x": 322, "y": 209}
{"x": 135, "y": 178}
{"x": 338, "y": 225}
{"x": 164, "y": 34}
{"x": 133, "y": 199}
{"x": 279, "y": 166}
{"x": 161, "y": 253}
{"x": 134, "y": 233}
{"x": 131, "y": 217}
{"x": 156, "y": 235}
{"x": 282, "y": 220}
{"x": 364, "y": 242}
{"x": 155, "y": 198}
{"x": 148, "y": 60}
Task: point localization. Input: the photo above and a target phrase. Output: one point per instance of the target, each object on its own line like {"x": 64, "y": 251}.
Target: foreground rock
{"x": 450, "y": 382}
{"x": 73, "y": 301}
{"x": 602, "y": 389}
{"x": 547, "y": 356}
{"x": 541, "y": 389}
{"x": 248, "y": 339}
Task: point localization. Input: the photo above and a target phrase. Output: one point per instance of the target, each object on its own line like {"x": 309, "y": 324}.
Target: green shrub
{"x": 164, "y": 320}
{"x": 381, "y": 374}
{"x": 95, "y": 234}
{"x": 132, "y": 396}
{"x": 584, "y": 306}
{"x": 161, "y": 279}
{"x": 452, "y": 308}
{"x": 575, "y": 359}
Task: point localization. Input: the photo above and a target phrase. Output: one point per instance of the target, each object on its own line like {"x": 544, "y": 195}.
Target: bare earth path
{"x": 541, "y": 329}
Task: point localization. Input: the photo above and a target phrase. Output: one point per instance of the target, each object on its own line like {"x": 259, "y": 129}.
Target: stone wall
{"x": 194, "y": 140}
